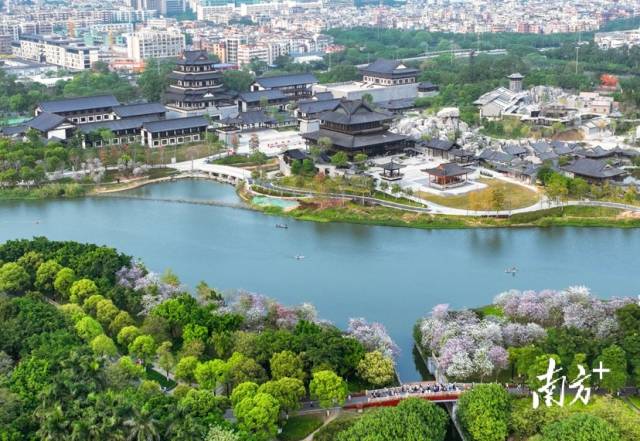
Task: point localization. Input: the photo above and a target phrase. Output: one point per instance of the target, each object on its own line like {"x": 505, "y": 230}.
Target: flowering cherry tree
{"x": 373, "y": 336}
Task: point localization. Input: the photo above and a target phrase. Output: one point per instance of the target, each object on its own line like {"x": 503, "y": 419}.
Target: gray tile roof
{"x": 314, "y": 106}
{"x": 118, "y": 124}
{"x": 354, "y": 112}
{"x": 133, "y": 110}
{"x": 176, "y": 124}
{"x": 286, "y": 80}
{"x": 250, "y": 118}
{"x": 439, "y": 144}
{"x": 592, "y": 168}
{"x": 514, "y": 149}
{"x": 255, "y": 97}
{"x": 77, "y": 104}
{"x": 45, "y": 122}
{"x": 383, "y": 66}
{"x": 347, "y": 141}
{"x": 448, "y": 169}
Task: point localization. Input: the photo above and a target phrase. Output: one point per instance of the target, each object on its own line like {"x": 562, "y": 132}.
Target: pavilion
{"x": 391, "y": 171}
{"x": 447, "y": 175}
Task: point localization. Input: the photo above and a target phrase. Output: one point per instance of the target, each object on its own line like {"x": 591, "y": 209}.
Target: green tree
{"x": 376, "y": 369}
{"x": 361, "y": 160}
{"x": 143, "y": 347}
{"x": 14, "y": 279}
{"x": 258, "y": 416}
{"x": 88, "y": 328}
{"x": 614, "y": 359}
{"x": 119, "y": 322}
{"x": 244, "y": 390}
{"x": 81, "y": 290}
{"x": 287, "y": 364}
{"x": 241, "y": 368}
{"x": 103, "y": 346}
{"x": 484, "y": 412}
{"x": 340, "y": 159}
{"x": 166, "y": 360}
{"x": 127, "y": 335}
{"x": 328, "y": 388}
{"x": 412, "y": 419}
{"x": 90, "y": 304}
{"x": 211, "y": 373}
{"x": 573, "y": 372}
{"x": 367, "y": 98}
{"x": 287, "y": 391}
{"x": 217, "y": 433}
{"x": 193, "y": 331}
{"x": 142, "y": 425}
{"x": 46, "y": 276}
{"x": 63, "y": 281}
{"x": 237, "y": 80}
{"x": 185, "y": 369}
{"x": 580, "y": 427}
{"x": 106, "y": 311}
{"x": 539, "y": 367}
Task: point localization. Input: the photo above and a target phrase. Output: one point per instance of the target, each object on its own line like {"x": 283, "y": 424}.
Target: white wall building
{"x": 70, "y": 54}
{"x": 155, "y": 44}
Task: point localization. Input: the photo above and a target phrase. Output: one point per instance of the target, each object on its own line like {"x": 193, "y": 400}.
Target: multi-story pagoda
{"x": 196, "y": 88}
{"x": 356, "y": 127}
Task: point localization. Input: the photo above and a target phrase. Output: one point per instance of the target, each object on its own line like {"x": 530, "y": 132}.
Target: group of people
{"x": 413, "y": 389}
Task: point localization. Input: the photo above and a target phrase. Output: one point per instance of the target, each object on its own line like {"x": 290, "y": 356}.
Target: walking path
{"x": 432, "y": 208}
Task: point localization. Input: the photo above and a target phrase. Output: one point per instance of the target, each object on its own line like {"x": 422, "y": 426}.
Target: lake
{"x": 391, "y": 275}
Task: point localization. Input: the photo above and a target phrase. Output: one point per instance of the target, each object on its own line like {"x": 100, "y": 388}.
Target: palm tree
{"x": 54, "y": 424}
{"x": 142, "y": 426}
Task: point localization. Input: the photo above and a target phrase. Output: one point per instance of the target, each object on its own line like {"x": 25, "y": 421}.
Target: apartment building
{"x": 150, "y": 43}
{"x": 67, "y": 53}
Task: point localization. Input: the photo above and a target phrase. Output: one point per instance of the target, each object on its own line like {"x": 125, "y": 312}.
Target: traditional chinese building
{"x": 356, "y": 127}
{"x": 196, "y": 88}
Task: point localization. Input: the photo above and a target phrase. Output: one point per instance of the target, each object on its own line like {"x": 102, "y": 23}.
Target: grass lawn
{"x": 331, "y": 430}
{"x": 635, "y": 400}
{"x": 299, "y": 427}
{"x": 154, "y": 375}
{"x": 490, "y": 310}
{"x": 516, "y": 196}
{"x": 358, "y": 214}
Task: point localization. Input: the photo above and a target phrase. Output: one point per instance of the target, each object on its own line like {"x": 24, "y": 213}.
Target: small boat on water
{"x": 283, "y": 226}
{"x": 299, "y": 257}
{"x": 513, "y": 270}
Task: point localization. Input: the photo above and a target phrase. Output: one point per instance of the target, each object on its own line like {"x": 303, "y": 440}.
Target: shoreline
{"x": 351, "y": 213}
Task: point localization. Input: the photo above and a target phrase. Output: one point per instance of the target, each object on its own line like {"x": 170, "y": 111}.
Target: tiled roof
{"x": 176, "y": 124}
{"x": 286, "y": 80}
{"x": 132, "y": 110}
{"x": 76, "y": 104}
{"x": 255, "y": 97}
{"x": 592, "y": 168}
{"x": 45, "y": 121}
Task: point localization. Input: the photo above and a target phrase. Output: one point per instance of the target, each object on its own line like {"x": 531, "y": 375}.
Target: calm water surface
{"x": 392, "y": 275}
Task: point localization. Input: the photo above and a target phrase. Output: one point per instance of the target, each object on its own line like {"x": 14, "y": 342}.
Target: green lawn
{"x": 331, "y": 430}
{"x": 490, "y": 310}
{"x": 299, "y": 427}
{"x": 635, "y": 400}
{"x": 160, "y": 378}
{"x": 515, "y": 196}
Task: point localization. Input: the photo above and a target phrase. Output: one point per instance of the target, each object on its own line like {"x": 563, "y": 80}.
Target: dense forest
{"x": 95, "y": 346}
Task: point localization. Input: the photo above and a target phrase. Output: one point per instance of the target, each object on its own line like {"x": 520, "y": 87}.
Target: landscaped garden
{"x": 497, "y": 194}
